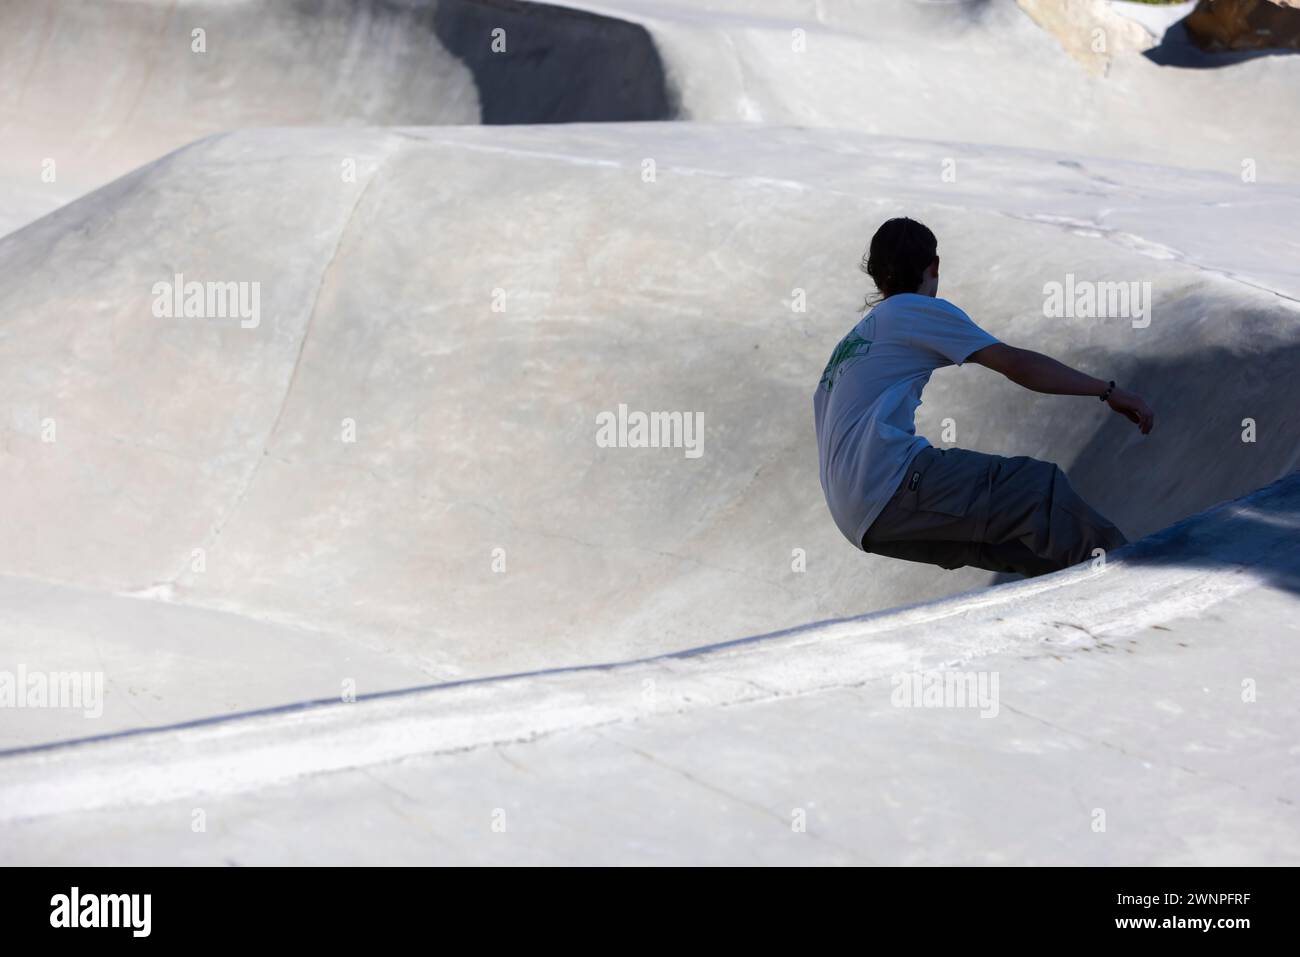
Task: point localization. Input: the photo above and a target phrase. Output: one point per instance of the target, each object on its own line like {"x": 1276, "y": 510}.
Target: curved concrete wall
{"x": 386, "y": 481}
{"x": 470, "y": 349}
{"x": 980, "y": 71}
{"x": 102, "y": 88}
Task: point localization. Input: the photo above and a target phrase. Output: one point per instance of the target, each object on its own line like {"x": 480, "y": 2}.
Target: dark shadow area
{"x": 1196, "y": 457}
{"x": 1177, "y": 49}
{"x": 1260, "y": 532}
{"x": 558, "y": 65}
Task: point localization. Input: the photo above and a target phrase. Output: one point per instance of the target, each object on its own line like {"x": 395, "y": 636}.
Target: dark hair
{"x": 900, "y": 252}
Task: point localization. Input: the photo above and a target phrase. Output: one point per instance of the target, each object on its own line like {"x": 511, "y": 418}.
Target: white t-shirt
{"x": 865, "y": 404}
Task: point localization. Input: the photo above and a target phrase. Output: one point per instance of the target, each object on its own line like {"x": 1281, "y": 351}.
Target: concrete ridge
{"x": 1146, "y": 583}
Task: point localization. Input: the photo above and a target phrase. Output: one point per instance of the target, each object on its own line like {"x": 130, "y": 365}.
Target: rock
{"x": 1245, "y": 24}
{"x": 1091, "y": 31}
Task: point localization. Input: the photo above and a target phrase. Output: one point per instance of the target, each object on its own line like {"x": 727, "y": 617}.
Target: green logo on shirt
{"x": 851, "y": 347}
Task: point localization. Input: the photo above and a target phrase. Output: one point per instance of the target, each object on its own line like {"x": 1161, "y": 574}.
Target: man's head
{"x": 903, "y": 258}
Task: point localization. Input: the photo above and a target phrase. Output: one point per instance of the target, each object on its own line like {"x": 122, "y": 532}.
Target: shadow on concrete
{"x": 1259, "y": 534}
{"x": 1198, "y": 455}
{"x": 1177, "y": 49}
{"x": 558, "y": 65}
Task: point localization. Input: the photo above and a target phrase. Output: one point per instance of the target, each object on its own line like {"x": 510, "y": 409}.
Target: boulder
{"x": 1245, "y": 24}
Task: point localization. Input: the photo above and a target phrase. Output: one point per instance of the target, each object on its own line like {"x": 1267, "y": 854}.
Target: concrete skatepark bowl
{"x": 350, "y": 549}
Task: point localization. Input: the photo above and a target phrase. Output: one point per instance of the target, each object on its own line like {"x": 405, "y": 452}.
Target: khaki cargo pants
{"x": 956, "y": 507}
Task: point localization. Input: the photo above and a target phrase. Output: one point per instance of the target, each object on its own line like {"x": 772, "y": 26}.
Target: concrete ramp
{"x": 1098, "y": 717}
{"x": 400, "y": 452}
{"x": 99, "y": 89}
{"x": 974, "y": 71}
{"x": 323, "y": 355}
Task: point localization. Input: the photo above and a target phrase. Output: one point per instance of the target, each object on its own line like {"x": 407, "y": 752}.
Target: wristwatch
{"x": 1109, "y": 389}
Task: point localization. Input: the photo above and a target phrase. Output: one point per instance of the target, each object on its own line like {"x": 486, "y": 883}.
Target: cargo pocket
{"x": 937, "y": 482}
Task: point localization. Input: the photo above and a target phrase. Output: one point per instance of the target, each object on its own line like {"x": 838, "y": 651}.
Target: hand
{"x": 1132, "y": 407}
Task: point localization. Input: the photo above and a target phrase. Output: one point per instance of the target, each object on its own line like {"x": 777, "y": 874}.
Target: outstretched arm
{"x": 1041, "y": 373}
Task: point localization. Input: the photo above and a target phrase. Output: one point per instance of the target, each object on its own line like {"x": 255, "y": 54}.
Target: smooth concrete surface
{"x": 387, "y": 458}
{"x": 99, "y": 88}
{"x": 165, "y": 663}
{"x": 1139, "y": 717}
{"x": 978, "y": 71}
{"x": 387, "y": 485}
{"x": 91, "y": 89}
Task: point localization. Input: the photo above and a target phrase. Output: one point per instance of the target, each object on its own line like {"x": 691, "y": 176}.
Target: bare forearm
{"x": 1041, "y": 373}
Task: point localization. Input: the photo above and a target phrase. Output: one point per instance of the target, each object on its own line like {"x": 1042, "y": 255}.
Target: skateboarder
{"x": 890, "y": 491}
